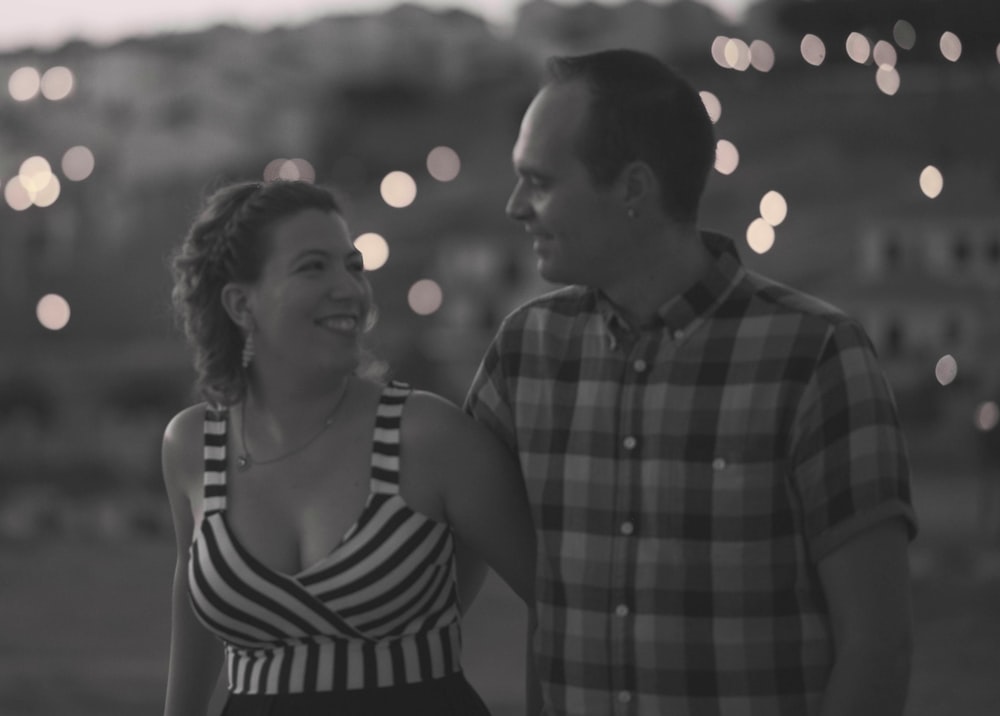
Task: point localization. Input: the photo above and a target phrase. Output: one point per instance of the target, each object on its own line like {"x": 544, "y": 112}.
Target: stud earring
{"x": 246, "y": 357}
{"x": 631, "y": 212}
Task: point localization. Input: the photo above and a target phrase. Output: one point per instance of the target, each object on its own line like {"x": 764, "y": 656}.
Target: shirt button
{"x": 640, "y": 366}
{"x": 627, "y": 528}
{"x": 719, "y": 463}
{"x": 621, "y": 610}
{"x": 630, "y": 442}
{"x": 624, "y": 697}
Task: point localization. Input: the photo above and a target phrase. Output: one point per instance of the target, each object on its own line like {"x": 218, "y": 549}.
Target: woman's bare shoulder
{"x": 441, "y": 428}
{"x": 183, "y": 442}
{"x": 430, "y": 411}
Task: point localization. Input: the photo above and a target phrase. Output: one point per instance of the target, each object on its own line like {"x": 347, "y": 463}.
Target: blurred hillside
{"x": 358, "y": 96}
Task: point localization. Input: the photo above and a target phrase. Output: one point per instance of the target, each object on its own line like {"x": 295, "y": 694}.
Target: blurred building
{"x": 350, "y": 99}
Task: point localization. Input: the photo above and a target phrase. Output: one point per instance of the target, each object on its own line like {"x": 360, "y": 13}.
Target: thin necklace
{"x": 245, "y": 460}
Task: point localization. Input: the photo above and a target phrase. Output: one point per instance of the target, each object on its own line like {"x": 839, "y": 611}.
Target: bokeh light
{"x": 24, "y": 84}
{"x": 35, "y": 173}
{"x": 289, "y": 170}
{"x": 34, "y": 184}
{"x": 53, "y": 311}
{"x": 57, "y": 83}
{"x": 760, "y": 236}
{"x": 737, "y": 54}
{"x": 712, "y": 105}
{"x": 425, "y": 297}
{"x": 727, "y": 157}
{"x": 931, "y": 182}
{"x": 16, "y": 196}
{"x": 858, "y": 48}
{"x": 946, "y": 370}
{"x": 987, "y": 416}
{"x": 773, "y": 208}
{"x": 398, "y": 189}
{"x": 298, "y": 169}
{"x": 887, "y": 80}
{"x": 443, "y": 163}
{"x": 813, "y": 50}
{"x": 374, "y": 250}
{"x": 904, "y": 34}
{"x": 272, "y": 170}
{"x": 884, "y": 54}
{"x": 761, "y": 56}
{"x": 719, "y": 51}
{"x": 951, "y": 46}
{"x": 47, "y": 195}
{"x": 77, "y": 163}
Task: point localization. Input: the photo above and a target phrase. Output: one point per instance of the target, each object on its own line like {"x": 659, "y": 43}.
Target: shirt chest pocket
{"x": 727, "y": 490}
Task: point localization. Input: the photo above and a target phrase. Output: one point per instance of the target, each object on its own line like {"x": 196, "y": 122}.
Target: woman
{"x": 315, "y": 509}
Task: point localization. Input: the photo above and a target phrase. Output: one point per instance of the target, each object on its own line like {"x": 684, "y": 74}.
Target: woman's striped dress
{"x": 380, "y": 610}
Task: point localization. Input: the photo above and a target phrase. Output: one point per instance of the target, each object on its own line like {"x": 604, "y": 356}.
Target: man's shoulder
{"x": 778, "y": 298}
{"x": 566, "y": 302}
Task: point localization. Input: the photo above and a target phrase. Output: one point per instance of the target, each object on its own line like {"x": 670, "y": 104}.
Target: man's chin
{"x": 552, "y": 274}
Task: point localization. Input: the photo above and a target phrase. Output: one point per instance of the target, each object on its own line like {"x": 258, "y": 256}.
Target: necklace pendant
{"x": 243, "y": 462}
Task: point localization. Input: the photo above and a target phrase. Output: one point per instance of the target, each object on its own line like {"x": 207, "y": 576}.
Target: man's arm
{"x": 867, "y": 586}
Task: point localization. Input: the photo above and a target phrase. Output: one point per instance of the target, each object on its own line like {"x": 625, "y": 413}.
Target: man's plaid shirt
{"x": 685, "y": 480}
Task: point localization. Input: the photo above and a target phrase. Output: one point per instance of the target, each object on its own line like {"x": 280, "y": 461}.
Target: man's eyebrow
{"x": 529, "y": 170}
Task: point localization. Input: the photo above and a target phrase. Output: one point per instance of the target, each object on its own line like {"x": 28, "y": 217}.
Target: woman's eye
{"x": 312, "y": 266}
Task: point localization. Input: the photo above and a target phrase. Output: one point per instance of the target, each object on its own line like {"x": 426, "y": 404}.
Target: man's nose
{"x": 517, "y": 208}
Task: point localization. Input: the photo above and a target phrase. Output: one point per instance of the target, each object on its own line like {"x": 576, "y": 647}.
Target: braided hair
{"x": 227, "y": 243}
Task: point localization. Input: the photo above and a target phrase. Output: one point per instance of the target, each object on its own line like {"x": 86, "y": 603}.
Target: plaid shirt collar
{"x": 681, "y": 312}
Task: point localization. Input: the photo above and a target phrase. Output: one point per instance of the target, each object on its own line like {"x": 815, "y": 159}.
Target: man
{"x": 714, "y": 460}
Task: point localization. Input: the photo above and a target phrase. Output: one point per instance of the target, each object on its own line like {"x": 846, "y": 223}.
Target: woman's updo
{"x": 228, "y": 242}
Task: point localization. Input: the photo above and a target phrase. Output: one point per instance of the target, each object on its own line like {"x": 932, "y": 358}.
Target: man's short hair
{"x": 642, "y": 110}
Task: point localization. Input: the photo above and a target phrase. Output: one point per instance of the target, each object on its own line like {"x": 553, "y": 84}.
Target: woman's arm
{"x": 195, "y": 653}
{"x": 478, "y": 483}
{"x": 471, "y": 573}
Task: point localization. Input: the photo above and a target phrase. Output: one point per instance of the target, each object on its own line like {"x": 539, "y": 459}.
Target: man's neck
{"x": 661, "y": 269}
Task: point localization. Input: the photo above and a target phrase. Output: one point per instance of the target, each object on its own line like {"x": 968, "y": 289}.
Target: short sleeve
{"x": 487, "y": 398}
{"x": 851, "y": 468}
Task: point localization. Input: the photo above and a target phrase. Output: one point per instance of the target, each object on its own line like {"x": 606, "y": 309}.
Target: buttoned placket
{"x": 624, "y": 526}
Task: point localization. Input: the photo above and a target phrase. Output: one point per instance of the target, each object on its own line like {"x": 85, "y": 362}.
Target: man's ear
{"x": 636, "y": 183}
{"x": 236, "y": 302}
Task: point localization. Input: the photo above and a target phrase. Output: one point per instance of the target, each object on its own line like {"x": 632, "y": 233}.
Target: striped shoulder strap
{"x": 385, "y": 446}
{"x": 216, "y": 427}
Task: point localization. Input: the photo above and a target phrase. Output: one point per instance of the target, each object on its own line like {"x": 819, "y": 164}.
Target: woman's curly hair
{"x": 226, "y": 243}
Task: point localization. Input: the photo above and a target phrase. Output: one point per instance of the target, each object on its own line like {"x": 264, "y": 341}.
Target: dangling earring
{"x": 246, "y": 357}
{"x": 371, "y": 318}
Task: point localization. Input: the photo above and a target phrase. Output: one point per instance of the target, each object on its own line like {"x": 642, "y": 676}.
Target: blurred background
{"x": 858, "y": 159}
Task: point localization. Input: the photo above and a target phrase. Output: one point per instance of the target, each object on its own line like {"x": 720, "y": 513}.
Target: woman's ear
{"x": 236, "y": 302}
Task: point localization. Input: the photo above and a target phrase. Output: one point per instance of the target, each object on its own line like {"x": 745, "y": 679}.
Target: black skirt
{"x": 450, "y": 696}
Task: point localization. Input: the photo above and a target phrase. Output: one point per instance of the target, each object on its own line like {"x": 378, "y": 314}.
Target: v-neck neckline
{"x": 328, "y": 557}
